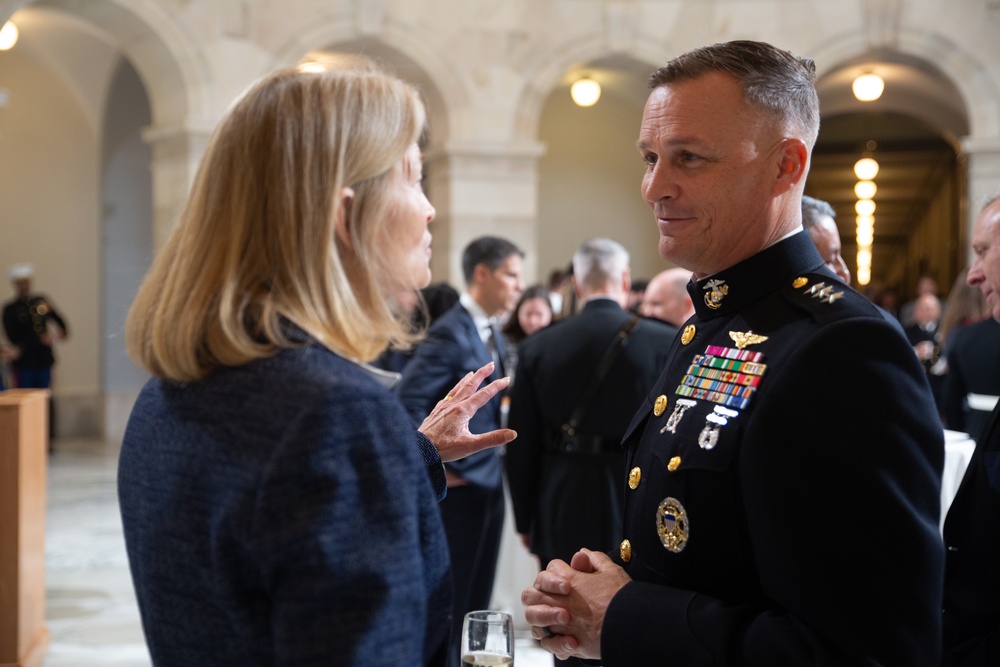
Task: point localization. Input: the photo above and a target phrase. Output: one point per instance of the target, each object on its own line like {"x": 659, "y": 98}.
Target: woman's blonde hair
{"x": 256, "y": 245}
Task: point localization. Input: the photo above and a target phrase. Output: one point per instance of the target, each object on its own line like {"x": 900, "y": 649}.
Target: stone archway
{"x": 935, "y": 83}
{"x": 81, "y": 49}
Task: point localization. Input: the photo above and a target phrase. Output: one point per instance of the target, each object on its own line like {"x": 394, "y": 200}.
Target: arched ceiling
{"x": 913, "y": 130}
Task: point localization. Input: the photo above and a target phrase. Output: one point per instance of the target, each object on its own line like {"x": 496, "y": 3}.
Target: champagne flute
{"x": 488, "y": 639}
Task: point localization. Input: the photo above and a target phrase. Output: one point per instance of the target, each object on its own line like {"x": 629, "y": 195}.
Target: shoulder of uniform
{"x": 828, "y": 299}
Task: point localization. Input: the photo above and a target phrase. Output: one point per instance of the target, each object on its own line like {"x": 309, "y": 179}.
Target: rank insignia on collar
{"x": 743, "y": 339}
{"x": 716, "y": 290}
{"x": 672, "y": 525}
{"x": 824, "y": 292}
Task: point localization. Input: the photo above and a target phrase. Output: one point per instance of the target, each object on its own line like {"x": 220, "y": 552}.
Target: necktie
{"x": 493, "y": 343}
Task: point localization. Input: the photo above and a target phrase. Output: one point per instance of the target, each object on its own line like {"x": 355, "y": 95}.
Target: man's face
{"x": 927, "y": 309}
{"x": 23, "y": 287}
{"x": 501, "y": 289}
{"x": 655, "y": 300}
{"x": 826, "y": 238}
{"x": 985, "y": 269}
{"x": 711, "y": 167}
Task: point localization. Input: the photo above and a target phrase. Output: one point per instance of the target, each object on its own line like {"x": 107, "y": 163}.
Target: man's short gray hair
{"x": 814, "y": 209}
{"x": 600, "y": 261}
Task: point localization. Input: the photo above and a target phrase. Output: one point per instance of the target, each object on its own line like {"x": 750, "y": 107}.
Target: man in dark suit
{"x": 462, "y": 340}
{"x": 972, "y": 527}
{"x": 782, "y": 500}
{"x": 925, "y": 337}
{"x": 566, "y": 488}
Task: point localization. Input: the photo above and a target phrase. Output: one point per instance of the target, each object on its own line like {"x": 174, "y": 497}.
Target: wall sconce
{"x": 585, "y": 92}
{"x": 868, "y": 87}
{"x": 8, "y": 36}
{"x": 866, "y": 169}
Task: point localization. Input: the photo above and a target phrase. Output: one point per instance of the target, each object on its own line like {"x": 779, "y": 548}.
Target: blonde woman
{"x": 276, "y": 501}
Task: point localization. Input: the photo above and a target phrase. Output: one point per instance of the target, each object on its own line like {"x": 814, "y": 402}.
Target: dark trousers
{"x": 473, "y": 522}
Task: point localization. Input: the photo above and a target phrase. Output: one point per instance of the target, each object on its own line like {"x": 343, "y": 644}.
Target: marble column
{"x": 482, "y": 189}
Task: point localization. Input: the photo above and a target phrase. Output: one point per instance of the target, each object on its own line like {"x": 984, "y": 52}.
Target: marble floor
{"x": 91, "y": 609}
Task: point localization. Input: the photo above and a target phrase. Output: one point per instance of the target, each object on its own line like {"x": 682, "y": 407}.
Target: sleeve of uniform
{"x": 57, "y": 318}
{"x": 524, "y": 456}
{"x": 840, "y": 479}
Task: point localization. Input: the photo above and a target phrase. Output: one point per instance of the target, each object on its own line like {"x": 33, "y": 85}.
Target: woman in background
{"x": 276, "y": 502}
{"x": 532, "y": 312}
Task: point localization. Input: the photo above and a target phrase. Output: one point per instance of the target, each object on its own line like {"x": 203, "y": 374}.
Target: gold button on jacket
{"x": 625, "y": 550}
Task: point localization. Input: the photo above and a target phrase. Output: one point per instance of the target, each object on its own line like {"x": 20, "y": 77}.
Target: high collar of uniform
{"x": 601, "y": 303}
{"x": 734, "y": 288}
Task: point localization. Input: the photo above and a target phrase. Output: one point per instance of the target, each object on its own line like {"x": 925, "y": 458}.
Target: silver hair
{"x": 600, "y": 261}
{"x": 813, "y": 209}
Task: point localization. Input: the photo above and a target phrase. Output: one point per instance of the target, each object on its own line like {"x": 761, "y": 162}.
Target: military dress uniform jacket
{"x": 566, "y": 500}
{"x": 24, "y": 323}
{"x": 972, "y": 573}
{"x": 783, "y": 494}
{"x": 973, "y": 367}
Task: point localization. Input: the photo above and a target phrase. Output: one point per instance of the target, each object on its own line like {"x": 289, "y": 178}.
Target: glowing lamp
{"x": 865, "y": 207}
{"x": 866, "y": 169}
{"x": 868, "y": 87}
{"x": 865, "y": 189}
{"x": 8, "y": 36}
{"x": 585, "y": 92}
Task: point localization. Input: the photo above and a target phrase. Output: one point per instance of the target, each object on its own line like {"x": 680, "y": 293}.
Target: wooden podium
{"x": 24, "y": 639}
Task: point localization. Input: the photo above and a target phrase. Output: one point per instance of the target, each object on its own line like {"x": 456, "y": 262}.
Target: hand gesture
{"x": 447, "y": 426}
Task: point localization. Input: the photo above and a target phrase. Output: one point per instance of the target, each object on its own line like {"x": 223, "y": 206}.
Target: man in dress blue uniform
{"x": 462, "y": 340}
{"x": 32, "y": 326}
{"x": 565, "y": 469}
{"x": 972, "y": 528}
{"x": 783, "y": 484}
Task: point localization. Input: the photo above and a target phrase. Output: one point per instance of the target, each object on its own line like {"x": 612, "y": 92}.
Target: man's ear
{"x": 342, "y": 216}
{"x": 480, "y": 273}
{"x": 793, "y": 163}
